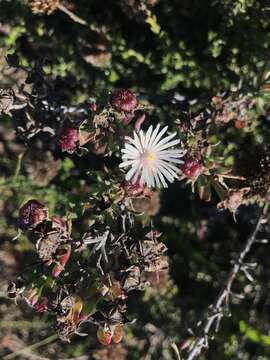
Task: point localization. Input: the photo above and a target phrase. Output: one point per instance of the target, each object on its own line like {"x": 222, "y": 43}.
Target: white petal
{"x": 134, "y": 142}
{"x": 157, "y": 180}
{"x": 169, "y": 144}
{"x": 152, "y": 174}
{"x": 153, "y": 136}
{"x": 142, "y": 138}
{"x": 142, "y": 179}
{"x": 131, "y": 148}
{"x": 173, "y": 152}
{"x": 148, "y": 136}
{"x": 170, "y": 165}
{"x": 148, "y": 178}
{"x": 132, "y": 172}
{"x": 137, "y": 141}
{"x": 137, "y": 174}
{"x": 162, "y": 179}
{"x": 127, "y": 155}
{"x": 159, "y": 136}
{"x": 127, "y": 163}
{"x": 166, "y": 172}
{"x": 169, "y": 159}
{"x": 163, "y": 141}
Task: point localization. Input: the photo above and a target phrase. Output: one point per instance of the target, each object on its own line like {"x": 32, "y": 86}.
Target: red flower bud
{"x": 32, "y": 296}
{"x": 104, "y": 336}
{"x": 31, "y": 214}
{"x": 240, "y": 124}
{"x": 69, "y": 139}
{"x": 191, "y": 168}
{"x": 62, "y": 261}
{"x": 93, "y": 106}
{"x": 118, "y": 334}
{"x": 124, "y": 100}
{"x": 139, "y": 122}
{"x": 41, "y": 307}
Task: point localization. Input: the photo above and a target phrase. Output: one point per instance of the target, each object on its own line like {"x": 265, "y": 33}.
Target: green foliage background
{"x": 195, "y": 48}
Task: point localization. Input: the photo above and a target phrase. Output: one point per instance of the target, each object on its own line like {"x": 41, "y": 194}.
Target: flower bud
{"x": 191, "y": 168}
{"x": 63, "y": 259}
{"x": 104, "y": 336}
{"x": 33, "y": 296}
{"x": 93, "y": 106}
{"x": 42, "y": 306}
{"x": 124, "y": 100}
{"x": 139, "y": 122}
{"x": 240, "y": 124}
{"x": 118, "y": 334}
{"x": 31, "y": 214}
{"x": 69, "y": 139}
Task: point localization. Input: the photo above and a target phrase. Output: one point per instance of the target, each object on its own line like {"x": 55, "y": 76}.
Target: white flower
{"x": 151, "y": 158}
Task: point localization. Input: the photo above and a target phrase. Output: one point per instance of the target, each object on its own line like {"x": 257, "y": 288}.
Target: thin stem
{"x": 73, "y": 17}
{"x": 81, "y": 21}
{"x": 35, "y": 346}
{"x": 217, "y": 309}
{"x": 18, "y": 166}
{"x": 232, "y": 177}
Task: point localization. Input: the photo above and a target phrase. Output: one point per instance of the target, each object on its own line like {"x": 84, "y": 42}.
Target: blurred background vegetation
{"x": 177, "y": 55}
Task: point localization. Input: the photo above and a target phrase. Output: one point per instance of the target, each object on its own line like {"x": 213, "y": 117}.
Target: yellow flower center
{"x": 150, "y": 156}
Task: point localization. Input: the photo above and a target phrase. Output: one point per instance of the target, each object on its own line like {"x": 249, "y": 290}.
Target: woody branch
{"x": 218, "y": 310}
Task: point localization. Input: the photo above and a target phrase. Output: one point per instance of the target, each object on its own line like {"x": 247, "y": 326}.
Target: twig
{"x": 83, "y": 22}
{"x": 217, "y": 311}
{"x": 18, "y": 166}
{"x": 25, "y": 350}
{"x": 73, "y": 17}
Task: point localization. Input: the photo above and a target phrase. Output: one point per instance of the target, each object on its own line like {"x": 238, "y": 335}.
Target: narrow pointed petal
{"x": 169, "y": 144}
{"x": 162, "y": 179}
{"x": 153, "y": 136}
{"x": 148, "y": 136}
{"x": 127, "y": 163}
{"x": 132, "y": 171}
{"x": 158, "y": 137}
{"x": 163, "y": 141}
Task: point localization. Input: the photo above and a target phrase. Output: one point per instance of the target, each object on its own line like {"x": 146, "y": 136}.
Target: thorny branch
{"x": 218, "y": 309}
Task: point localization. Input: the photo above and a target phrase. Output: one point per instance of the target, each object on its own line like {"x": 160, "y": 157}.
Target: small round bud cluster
{"x": 124, "y": 100}
{"x": 191, "y": 168}
{"x": 69, "y": 139}
{"x": 31, "y": 214}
